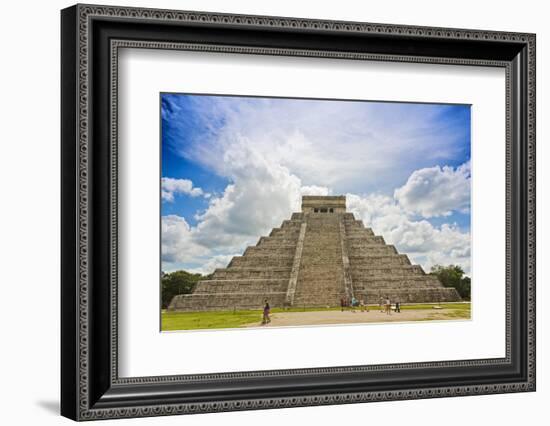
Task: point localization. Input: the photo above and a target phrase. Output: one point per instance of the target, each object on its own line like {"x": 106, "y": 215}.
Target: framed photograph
{"x": 263, "y": 212}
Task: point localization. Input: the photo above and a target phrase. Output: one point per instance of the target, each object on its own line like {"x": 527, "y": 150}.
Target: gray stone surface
{"x": 314, "y": 259}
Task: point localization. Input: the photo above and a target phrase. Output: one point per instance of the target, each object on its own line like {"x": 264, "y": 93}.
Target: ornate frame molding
{"x": 87, "y": 403}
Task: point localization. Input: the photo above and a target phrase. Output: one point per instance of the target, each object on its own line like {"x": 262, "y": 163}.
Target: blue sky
{"x": 235, "y": 167}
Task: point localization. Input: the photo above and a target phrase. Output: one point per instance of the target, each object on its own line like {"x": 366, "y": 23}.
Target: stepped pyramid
{"x": 314, "y": 259}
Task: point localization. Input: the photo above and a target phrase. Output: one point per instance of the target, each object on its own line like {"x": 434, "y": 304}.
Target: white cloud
{"x": 314, "y": 190}
{"x": 347, "y": 146}
{"x": 177, "y": 242}
{"x": 171, "y": 186}
{"x": 436, "y": 191}
{"x": 425, "y": 243}
{"x": 261, "y": 196}
{"x": 215, "y": 262}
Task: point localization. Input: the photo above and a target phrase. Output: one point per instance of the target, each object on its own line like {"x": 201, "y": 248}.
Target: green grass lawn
{"x": 208, "y": 320}
{"x": 462, "y": 306}
{"x": 233, "y": 319}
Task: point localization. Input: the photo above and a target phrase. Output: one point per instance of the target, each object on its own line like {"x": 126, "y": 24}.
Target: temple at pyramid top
{"x": 323, "y": 204}
{"x": 315, "y": 258}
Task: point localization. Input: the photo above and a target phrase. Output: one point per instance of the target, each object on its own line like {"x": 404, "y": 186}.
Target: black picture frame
{"x": 90, "y": 386}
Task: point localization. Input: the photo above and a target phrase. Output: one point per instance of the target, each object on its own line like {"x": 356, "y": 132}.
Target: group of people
{"x": 353, "y": 304}
{"x": 345, "y": 303}
{"x": 385, "y": 305}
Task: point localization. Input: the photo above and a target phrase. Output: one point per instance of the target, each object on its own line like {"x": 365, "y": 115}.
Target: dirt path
{"x": 282, "y": 319}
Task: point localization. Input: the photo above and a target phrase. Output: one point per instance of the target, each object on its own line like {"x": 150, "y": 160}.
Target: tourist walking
{"x": 397, "y": 306}
{"x": 353, "y": 304}
{"x": 267, "y": 311}
{"x": 342, "y": 304}
{"x": 388, "y": 306}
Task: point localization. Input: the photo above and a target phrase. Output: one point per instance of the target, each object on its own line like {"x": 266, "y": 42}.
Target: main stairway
{"x": 321, "y": 273}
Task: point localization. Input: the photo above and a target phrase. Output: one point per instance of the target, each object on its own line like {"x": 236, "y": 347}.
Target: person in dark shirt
{"x": 267, "y": 311}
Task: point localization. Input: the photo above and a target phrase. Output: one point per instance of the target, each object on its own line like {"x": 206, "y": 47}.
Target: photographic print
{"x": 280, "y": 212}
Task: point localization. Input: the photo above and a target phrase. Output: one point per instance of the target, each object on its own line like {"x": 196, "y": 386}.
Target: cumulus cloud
{"x": 314, "y": 190}
{"x": 425, "y": 243}
{"x": 171, "y": 186}
{"x": 261, "y": 196}
{"x": 178, "y": 245}
{"x": 348, "y": 146}
{"x": 436, "y": 191}
{"x": 213, "y": 263}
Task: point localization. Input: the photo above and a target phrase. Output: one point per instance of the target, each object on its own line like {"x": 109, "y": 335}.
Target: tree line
{"x": 453, "y": 276}
{"x": 178, "y": 282}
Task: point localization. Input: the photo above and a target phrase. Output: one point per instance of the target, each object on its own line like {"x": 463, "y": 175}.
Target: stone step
{"x": 317, "y": 228}
{"x": 358, "y": 272}
{"x": 320, "y": 262}
{"x": 358, "y": 231}
{"x": 412, "y": 295}
{"x": 226, "y": 301}
{"x": 359, "y": 241}
{"x": 316, "y": 245}
{"x": 394, "y": 260}
{"x": 319, "y": 294}
{"x": 287, "y": 250}
{"x": 276, "y": 241}
{"x": 332, "y": 251}
{"x": 310, "y": 270}
{"x": 335, "y": 282}
{"x": 321, "y": 244}
{"x": 241, "y": 285}
{"x": 324, "y": 269}
{"x": 372, "y": 251}
{"x": 251, "y": 273}
{"x": 319, "y": 284}
{"x": 309, "y": 267}
{"x": 288, "y": 233}
{"x": 319, "y": 300}
{"x": 405, "y": 282}
{"x": 291, "y": 224}
{"x": 255, "y": 253}
{"x": 259, "y": 261}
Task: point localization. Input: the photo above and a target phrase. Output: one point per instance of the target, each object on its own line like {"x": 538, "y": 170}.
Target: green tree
{"x": 178, "y": 282}
{"x": 453, "y": 276}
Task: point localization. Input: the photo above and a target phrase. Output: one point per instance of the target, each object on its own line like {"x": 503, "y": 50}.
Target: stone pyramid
{"x": 314, "y": 259}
